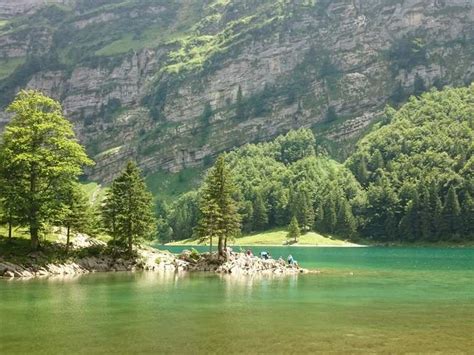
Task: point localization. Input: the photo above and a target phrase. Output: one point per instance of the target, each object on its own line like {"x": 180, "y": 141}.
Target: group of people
{"x": 265, "y": 255}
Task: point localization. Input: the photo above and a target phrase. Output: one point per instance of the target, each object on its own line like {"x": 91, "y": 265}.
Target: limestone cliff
{"x": 173, "y": 83}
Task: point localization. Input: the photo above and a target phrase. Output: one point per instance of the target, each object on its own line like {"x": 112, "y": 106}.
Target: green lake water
{"x": 364, "y": 300}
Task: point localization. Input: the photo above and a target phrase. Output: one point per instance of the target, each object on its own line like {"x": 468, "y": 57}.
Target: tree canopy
{"x": 39, "y": 160}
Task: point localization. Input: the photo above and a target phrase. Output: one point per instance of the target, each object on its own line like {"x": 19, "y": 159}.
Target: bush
{"x": 94, "y": 250}
{"x": 195, "y": 255}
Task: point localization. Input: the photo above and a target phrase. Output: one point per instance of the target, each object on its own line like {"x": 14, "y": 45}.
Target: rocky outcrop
{"x": 239, "y": 264}
{"x": 150, "y": 259}
{"x": 12, "y": 8}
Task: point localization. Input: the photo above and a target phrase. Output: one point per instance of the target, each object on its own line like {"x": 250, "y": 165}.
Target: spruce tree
{"x": 391, "y": 226}
{"x": 40, "y": 152}
{"x": 319, "y": 217}
{"x": 75, "y": 215}
{"x": 9, "y": 200}
{"x": 468, "y": 216}
{"x": 219, "y": 213}
{"x": 260, "y": 215}
{"x": 128, "y": 209}
{"x": 410, "y": 222}
{"x": 451, "y": 214}
{"x": 330, "y": 216}
{"x": 362, "y": 172}
{"x": 346, "y": 224}
{"x": 293, "y": 230}
{"x": 426, "y": 226}
{"x": 377, "y": 161}
{"x": 437, "y": 219}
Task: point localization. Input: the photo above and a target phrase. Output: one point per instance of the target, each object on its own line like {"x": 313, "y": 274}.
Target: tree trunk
{"x": 34, "y": 233}
{"x": 220, "y": 246}
{"x": 10, "y": 227}
{"x": 130, "y": 244}
{"x": 33, "y": 209}
{"x": 210, "y": 244}
{"x": 68, "y": 233}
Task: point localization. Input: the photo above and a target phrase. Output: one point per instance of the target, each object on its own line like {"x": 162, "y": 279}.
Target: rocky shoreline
{"x": 149, "y": 259}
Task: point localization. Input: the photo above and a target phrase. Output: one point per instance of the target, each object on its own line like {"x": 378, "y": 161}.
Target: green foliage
{"x": 293, "y": 230}
{"x": 279, "y": 179}
{"x": 219, "y": 216}
{"x": 420, "y": 172}
{"x": 40, "y": 156}
{"x": 195, "y": 255}
{"x": 128, "y": 209}
{"x": 183, "y": 216}
{"x": 76, "y": 212}
{"x": 295, "y": 145}
{"x": 406, "y": 53}
{"x": 260, "y": 215}
{"x": 345, "y": 221}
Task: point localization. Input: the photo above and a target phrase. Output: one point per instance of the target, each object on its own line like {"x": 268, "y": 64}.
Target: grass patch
{"x": 275, "y": 237}
{"x": 169, "y": 186}
{"x": 8, "y": 66}
{"x": 95, "y": 192}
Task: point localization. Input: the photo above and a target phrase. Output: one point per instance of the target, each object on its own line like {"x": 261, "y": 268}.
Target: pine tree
{"x": 260, "y": 215}
{"x": 8, "y": 200}
{"x": 436, "y": 208}
{"x": 426, "y": 226}
{"x": 377, "y": 161}
{"x": 219, "y": 214}
{"x": 40, "y": 152}
{"x": 319, "y": 217}
{"x": 302, "y": 208}
{"x": 362, "y": 172}
{"x": 128, "y": 209}
{"x": 410, "y": 222}
{"x": 75, "y": 215}
{"x": 346, "y": 224}
{"x": 451, "y": 214}
{"x": 330, "y": 216}
{"x": 293, "y": 230}
{"x": 307, "y": 214}
{"x": 468, "y": 215}
{"x": 391, "y": 226}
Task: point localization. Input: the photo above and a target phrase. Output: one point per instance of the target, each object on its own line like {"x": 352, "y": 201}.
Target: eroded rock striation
{"x": 175, "y": 83}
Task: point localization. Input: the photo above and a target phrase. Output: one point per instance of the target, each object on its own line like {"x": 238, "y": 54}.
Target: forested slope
{"x": 410, "y": 180}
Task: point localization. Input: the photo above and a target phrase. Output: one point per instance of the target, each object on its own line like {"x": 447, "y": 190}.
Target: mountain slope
{"x": 172, "y": 83}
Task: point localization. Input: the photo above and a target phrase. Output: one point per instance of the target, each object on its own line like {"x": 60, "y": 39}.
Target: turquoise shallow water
{"x": 365, "y": 300}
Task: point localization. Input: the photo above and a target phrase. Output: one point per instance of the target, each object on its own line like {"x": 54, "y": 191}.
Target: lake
{"x": 365, "y": 299}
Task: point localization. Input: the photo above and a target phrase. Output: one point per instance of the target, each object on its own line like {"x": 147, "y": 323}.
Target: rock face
{"x": 135, "y": 91}
{"x": 147, "y": 260}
